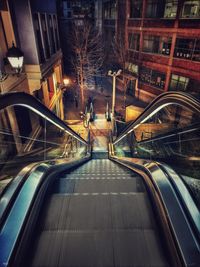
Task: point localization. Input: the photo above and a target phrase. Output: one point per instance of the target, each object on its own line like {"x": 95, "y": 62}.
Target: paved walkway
{"x": 100, "y": 95}
{"x": 99, "y": 132}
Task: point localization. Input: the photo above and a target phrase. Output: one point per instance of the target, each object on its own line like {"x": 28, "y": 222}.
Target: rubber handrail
{"x": 24, "y": 99}
{"x": 179, "y": 98}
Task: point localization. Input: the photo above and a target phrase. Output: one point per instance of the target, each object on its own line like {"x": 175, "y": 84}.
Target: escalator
{"x": 66, "y": 209}
{"x": 97, "y": 215}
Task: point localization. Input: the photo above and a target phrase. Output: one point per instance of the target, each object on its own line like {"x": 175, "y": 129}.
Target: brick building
{"x": 162, "y": 42}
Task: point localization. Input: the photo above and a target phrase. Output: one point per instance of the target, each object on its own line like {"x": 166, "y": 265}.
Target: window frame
{"x": 133, "y": 41}
{"x": 162, "y": 47}
{"x": 168, "y": 9}
{"x": 178, "y": 82}
{"x": 187, "y": 53}
{"x": 152, "y": 77}
{"x": 154, "y": 9}
{"x": 135, "y": 4}
{"x": 189, "y": 16}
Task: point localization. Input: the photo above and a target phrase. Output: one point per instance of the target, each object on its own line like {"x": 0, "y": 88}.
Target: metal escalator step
{"x": 100, "y": 248}
{"x": 98, "y": 185}
{"x": 101, "y": 175}
{"x": 131, "y": 211}
{"x": 97, "y": 215}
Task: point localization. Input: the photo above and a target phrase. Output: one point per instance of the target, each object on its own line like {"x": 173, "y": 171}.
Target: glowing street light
{"x": 66, "y": 81}
{"x": 16, "y": 58}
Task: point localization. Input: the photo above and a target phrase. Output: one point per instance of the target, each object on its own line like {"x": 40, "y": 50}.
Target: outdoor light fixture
{"x": 66, "y": 81}
{"x": 16, "y": 59}
{"x": 63, "y": 86}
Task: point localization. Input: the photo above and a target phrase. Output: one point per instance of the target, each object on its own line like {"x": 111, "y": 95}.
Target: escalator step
{"x": 94, "y": 212}
{"x": 107, "y": 248}
{"x": 97, "y": 215}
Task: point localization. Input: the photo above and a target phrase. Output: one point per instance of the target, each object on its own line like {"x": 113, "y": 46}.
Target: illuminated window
{"x": 187, "y": 49}
{"x": 170, "y": 9}
{"x": 181, "y": 83}
{"x": 132, "y": 68}
{"x": 152, "y": 77}
{"x": 178, "y": 83}
{"x": 136, "y": 8}
{"x": 191, "y": 9}
{"x": 134, "y": 41}
{"x": 157, "y": 44}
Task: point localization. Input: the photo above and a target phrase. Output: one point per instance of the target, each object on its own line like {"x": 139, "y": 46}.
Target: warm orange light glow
{"x": 66, "y": 81}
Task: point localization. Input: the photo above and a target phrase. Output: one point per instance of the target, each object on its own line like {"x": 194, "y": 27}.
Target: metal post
{"x": 113, "y": 94}
{"x": 114, "y": 75}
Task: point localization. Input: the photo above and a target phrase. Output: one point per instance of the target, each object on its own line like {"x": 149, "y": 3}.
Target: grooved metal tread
{"x": 89, "y": 220}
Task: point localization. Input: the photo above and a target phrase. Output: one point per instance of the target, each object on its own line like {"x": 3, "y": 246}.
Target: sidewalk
{"x": 99, "y": 132}
{"x": 100, "y": 95}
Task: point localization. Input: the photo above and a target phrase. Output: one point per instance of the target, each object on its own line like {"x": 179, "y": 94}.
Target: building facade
{"x": 162, "y": 42}
{"x": 32, "y": 26}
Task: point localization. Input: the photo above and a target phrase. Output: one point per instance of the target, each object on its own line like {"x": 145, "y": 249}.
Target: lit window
{"x": 170, "y": 9}
{"x": 152, "y": 77}
{"x": 134, "y": 41}
{"x": 187, "y": 49}
{"x": 130, "y": 67}
{"x": 136, "y": 8}
{"x": 191, "y": 9}
{"x": 157, "y": 44}
{"x": 178, "y": 83}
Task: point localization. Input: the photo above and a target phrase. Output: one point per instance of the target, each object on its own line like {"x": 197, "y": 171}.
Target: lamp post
{"x": 114, "y": 74}
{"x": 16, "y": 58}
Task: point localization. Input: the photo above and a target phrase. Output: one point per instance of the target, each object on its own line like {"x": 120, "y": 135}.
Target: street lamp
{"x": 114, "y": 74}
{"x": 66, "y": 81}
{"x": 16, "y": 58}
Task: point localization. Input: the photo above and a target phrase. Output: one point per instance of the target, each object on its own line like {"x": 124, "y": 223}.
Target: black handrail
{"x": 179, "y": 98}
{"x": 23, "y": 99}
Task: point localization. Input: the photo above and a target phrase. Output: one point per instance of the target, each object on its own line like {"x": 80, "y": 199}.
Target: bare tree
{"x": 87, "y": 56}
{"x": 121, "y": 56}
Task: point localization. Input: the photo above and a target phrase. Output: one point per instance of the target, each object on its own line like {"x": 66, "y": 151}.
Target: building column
{"x": 61, "y": 107}
{"x": 45, "y": 93}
